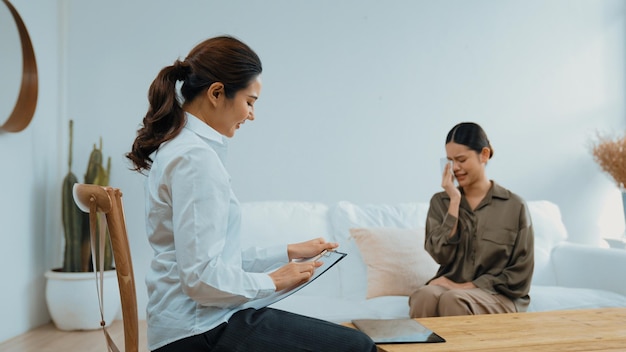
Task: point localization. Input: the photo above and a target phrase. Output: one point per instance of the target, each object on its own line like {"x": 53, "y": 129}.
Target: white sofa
{"x": 567, "y": 275}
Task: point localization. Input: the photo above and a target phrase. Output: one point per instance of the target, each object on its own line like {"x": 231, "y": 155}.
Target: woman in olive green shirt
{"x": 481, "y": 235}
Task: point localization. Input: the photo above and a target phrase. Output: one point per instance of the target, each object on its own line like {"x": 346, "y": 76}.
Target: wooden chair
{"x": 108, "y": 200}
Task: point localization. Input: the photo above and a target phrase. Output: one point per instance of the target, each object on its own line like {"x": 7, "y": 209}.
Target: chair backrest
{"x": 109, "y": 201}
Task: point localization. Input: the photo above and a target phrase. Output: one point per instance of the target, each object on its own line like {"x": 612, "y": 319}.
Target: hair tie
{"x": 181, "y": 70}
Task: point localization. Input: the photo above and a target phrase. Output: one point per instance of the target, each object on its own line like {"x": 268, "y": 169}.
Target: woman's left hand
{"x": 309, "y": 248}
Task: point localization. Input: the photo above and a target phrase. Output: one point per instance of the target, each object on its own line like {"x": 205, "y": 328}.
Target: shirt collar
{"x": 498, "y": 191}
{"x": 203, "y": 130}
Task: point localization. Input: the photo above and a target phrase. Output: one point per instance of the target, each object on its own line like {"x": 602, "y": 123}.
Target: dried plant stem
{"x": 610, "y": 153}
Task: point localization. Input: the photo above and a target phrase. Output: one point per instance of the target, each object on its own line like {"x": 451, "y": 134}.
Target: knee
{"x": 424, "y": 293}
{"x": 452, "y": 302}
{"x": 423, "y": 302}
{"x": 415, "y": 297}
{"x": 362, "y": 342}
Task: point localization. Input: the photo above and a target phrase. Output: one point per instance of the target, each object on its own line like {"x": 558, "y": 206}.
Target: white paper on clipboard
{"x": 328, "y": 258}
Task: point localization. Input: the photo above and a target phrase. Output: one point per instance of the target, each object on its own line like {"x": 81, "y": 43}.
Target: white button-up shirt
{"x": 199, "y": 275}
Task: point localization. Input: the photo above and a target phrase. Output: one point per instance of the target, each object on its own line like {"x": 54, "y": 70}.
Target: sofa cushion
{"x": 397, "y": 263}
{"x": 275, "y": 222}
{"x": 583, "y": 266}
{"x": 546, "y": 298}
{"x": 270, "y": 223}
{"x": 549, "y": 230}
{"x": 346, "y": 215}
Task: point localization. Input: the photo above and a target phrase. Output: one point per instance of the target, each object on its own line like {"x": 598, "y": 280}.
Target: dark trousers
{"x": 274, "y": 330}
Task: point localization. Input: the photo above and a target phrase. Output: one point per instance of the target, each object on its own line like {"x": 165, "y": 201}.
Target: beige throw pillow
{"x": 397, "y": 263}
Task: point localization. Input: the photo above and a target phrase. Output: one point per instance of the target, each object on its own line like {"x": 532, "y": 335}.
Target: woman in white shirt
{"x": 200, "y": 277}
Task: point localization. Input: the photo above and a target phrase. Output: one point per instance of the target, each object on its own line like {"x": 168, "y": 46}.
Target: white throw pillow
{"x": 268, "y": 223}
{"x": 397, "y": 263}
{"x": 346, "y": 215}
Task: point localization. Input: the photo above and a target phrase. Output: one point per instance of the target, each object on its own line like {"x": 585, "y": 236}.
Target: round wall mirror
{"x": 18, "y": 91}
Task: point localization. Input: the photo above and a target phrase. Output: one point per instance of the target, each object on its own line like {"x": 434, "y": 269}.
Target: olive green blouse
{"x": 493, "y": 246}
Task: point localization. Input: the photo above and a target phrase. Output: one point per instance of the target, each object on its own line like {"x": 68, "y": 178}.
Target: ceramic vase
{"x": 72, "y": 299}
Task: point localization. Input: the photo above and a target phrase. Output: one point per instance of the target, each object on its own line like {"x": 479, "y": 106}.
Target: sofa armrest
{"x": 583, "y": 266}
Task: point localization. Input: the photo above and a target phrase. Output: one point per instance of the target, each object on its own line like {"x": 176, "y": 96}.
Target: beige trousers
{"x": 438, "y": 301}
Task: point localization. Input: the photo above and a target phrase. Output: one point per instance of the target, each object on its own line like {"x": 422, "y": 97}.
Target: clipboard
{"x": 328, "y": 258}
{"x": 390, "y": 331}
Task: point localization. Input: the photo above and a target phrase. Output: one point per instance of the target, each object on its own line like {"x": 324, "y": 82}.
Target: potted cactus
{"x": 75, "y": 222}
{"x": 71, "y": 293}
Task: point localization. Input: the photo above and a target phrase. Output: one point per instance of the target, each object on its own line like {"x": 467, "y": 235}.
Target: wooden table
{"x": 576, "y": 330}
{"x": 572, "y": 330}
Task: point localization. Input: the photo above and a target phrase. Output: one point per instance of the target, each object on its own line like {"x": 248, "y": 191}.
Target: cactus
{"x": 97, "y": 175}
{"x": 75, "y": 222}
{"x": 72, "y": 218}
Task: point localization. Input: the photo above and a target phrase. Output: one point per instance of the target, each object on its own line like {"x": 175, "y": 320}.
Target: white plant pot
{"x": 72, "y": 299}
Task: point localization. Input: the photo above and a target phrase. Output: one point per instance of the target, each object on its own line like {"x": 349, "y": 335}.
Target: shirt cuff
{"x": 448, "y": 222}
{"x": 265, "y": 284}
{"x": 278, "y": 253}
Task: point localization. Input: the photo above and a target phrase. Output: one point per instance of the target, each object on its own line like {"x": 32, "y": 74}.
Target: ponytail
{"x": 164, "y": 119}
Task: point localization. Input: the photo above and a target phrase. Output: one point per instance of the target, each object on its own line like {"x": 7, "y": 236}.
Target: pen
{"x": 319, "y": 255}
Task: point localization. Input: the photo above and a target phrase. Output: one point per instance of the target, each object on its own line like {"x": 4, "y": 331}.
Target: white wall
{"x": 29, "y": 171}
{"x": 357, "y": 99}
